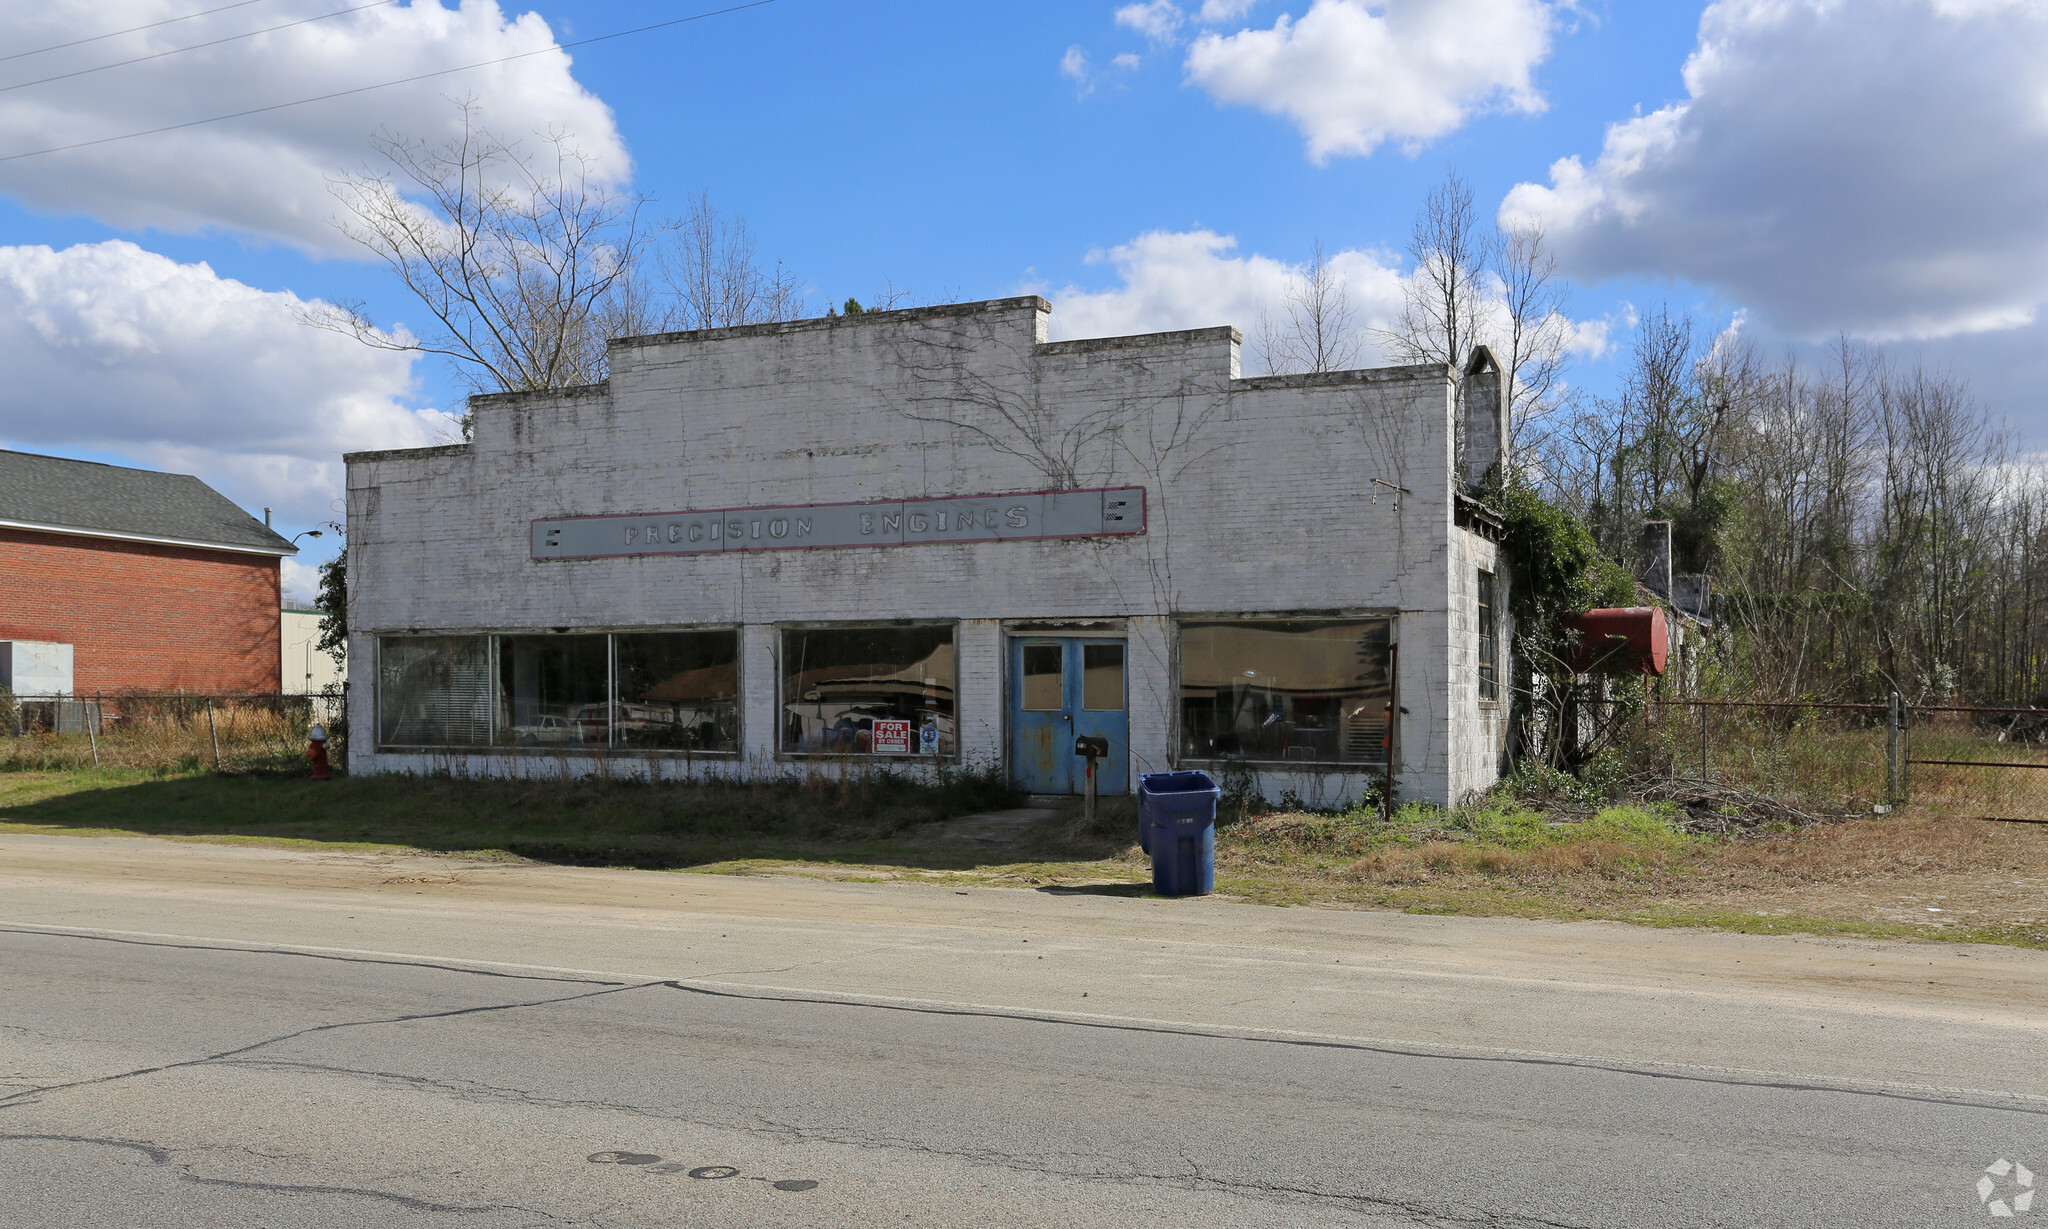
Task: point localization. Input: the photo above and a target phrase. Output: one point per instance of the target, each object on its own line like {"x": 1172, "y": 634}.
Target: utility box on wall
{"x": 35, "y": 667}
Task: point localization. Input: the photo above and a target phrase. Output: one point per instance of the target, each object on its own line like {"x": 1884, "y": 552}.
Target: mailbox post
{"x": 1093, "y": 749}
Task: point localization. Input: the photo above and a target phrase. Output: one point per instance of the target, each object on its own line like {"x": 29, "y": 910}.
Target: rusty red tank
{"x": 1620, "y": 640}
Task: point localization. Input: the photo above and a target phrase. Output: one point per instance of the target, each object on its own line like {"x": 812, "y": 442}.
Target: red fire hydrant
{"x": 317, "y": 752}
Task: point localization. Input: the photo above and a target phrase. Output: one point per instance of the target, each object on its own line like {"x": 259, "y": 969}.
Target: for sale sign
{"x": 892, "y": 738}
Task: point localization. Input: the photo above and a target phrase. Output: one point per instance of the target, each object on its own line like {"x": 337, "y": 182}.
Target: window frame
{"x": 739, "y": 699}
{"x": 611, "y": 745}
{"x": 782, "y": 700}
{"x": 378, "y": 694}
{"x": 1391, "y": 620}
{"x": 1486, "y": 626}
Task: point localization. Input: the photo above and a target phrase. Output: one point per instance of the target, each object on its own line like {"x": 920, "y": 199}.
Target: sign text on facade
{"x": 1107, "y": 512}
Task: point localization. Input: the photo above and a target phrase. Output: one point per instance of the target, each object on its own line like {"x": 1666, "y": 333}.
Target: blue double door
{"x": 1063, "y": 688}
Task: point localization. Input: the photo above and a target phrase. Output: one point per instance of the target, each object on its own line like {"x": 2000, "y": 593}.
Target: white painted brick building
{"x": 1217, "y": 577}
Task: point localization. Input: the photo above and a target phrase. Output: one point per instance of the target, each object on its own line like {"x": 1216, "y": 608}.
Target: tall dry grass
{"x": 153, "y": 735}
{"x": 1820, "y": 759}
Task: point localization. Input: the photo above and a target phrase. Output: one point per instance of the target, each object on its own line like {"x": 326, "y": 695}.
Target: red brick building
{"x": 157, "y": 581}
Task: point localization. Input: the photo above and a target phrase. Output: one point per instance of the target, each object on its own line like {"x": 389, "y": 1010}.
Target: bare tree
{"x": 520, "y": 255}
{"x": 1870, "y": 528}
{"x": 1530, "y": 331}
{"x": 714, "y": 277}
{"x": 1440, "y": 315}
{"x": 1320, "y": 332}
{"x": 969, "y": 375}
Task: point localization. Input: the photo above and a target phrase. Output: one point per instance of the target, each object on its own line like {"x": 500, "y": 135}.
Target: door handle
{"x": 1066, "y": 716}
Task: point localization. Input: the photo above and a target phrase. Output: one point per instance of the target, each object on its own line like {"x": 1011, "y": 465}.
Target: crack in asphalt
{"x": 163, "y": 1157}
{"x": 17, "y": 1098}
{"x": 304, "y": 955}
{"x": 1082, "y": 1166}
{"x": 1220, "y": 1033}
{"x": 1026, "y": 1015}
{"x": 463, "y": 1089}
{"x": 404, "y": 1201}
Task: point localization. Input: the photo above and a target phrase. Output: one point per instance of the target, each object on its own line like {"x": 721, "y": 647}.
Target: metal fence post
{"x": 214, "y": 731}
{"x": 1894, "y": 771}
{"x": 1703, "y": 743}
{"x": 1905, "y": 752}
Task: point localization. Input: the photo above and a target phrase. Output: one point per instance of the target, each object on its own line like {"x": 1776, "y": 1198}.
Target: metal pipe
{"x": 1393, "y": 720}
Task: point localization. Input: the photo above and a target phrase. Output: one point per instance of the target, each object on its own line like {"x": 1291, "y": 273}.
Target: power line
{"x": 168, "y": 21}
{"x": 364, "y": 89}
{"x": 22, "y": 85}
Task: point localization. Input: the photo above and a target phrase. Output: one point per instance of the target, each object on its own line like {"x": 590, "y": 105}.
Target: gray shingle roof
{"x": 90, "y": 497}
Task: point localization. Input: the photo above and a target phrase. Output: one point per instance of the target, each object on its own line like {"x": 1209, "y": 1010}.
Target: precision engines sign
{"x": 1105, "y": 512}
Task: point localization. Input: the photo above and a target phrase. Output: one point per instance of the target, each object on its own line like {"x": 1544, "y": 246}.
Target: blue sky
{"x": 1823, "y": 167}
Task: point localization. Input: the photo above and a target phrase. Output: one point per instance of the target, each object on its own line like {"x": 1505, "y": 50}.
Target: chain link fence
{"x": 167, "y": 733}
{"x": 1987, "y": 763}
{"x": 1834, "y": 759}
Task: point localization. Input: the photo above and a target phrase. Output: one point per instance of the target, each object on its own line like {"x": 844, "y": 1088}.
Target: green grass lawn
{"x": 664, "y": 827}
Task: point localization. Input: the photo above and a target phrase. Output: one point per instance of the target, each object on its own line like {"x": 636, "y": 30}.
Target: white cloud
{"x": 1157, "y": 20}
{"x": 301, "y": 582}
{"x": 1194, "y": 279}
{"x": 1878, "y": 167}
{"x": 112, "y": 348}
{"x": 1352, "y": 76}
{"x": 1596, "y": 337}
{"x": 1172, "y": 280}
{"x": 265, "y": 174}
{"x": 1224, "y": 10}
{"x": 1074, "y": 65}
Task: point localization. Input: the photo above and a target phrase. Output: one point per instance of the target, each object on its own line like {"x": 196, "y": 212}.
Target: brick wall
{"x": 144, "y": 617}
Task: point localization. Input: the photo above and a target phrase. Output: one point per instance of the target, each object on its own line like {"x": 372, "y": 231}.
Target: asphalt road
{"x": 208, "y": 1061}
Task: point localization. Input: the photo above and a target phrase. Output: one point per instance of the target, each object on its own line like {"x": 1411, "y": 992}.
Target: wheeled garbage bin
{"x": 1177, "y": 826}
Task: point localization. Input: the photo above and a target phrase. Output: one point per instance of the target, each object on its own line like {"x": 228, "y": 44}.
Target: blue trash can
{"x": 1177, "y": 826}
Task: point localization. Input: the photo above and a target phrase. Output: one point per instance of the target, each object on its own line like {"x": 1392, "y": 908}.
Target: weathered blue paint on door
{"x": 1062, "y": 688}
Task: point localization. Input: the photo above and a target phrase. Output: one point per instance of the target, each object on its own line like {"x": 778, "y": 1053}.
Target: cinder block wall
{"x": 144, "y": 617}
{"x": 1318, "y": 494}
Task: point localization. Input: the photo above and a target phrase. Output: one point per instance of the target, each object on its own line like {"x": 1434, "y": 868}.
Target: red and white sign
{"x": 892, "y": 738}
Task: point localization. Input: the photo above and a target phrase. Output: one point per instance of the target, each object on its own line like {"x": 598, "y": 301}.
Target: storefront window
{"x": 1285, "y": 690}
{"x": 678, "y": 690}
{"x": 868, "y": 690}
{"x": 433, "y": 691}
{"x": 551, "y": 691}
{"x": 663, "y": 691}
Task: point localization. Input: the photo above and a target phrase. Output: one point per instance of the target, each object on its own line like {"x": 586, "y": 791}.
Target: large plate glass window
{"x": 1285, "y": 690}
{"x": 860, "y": 690}
{"x": 678, "y": 690}
{"x": 433, "y": 691}
{"x": 552, "y": 691}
